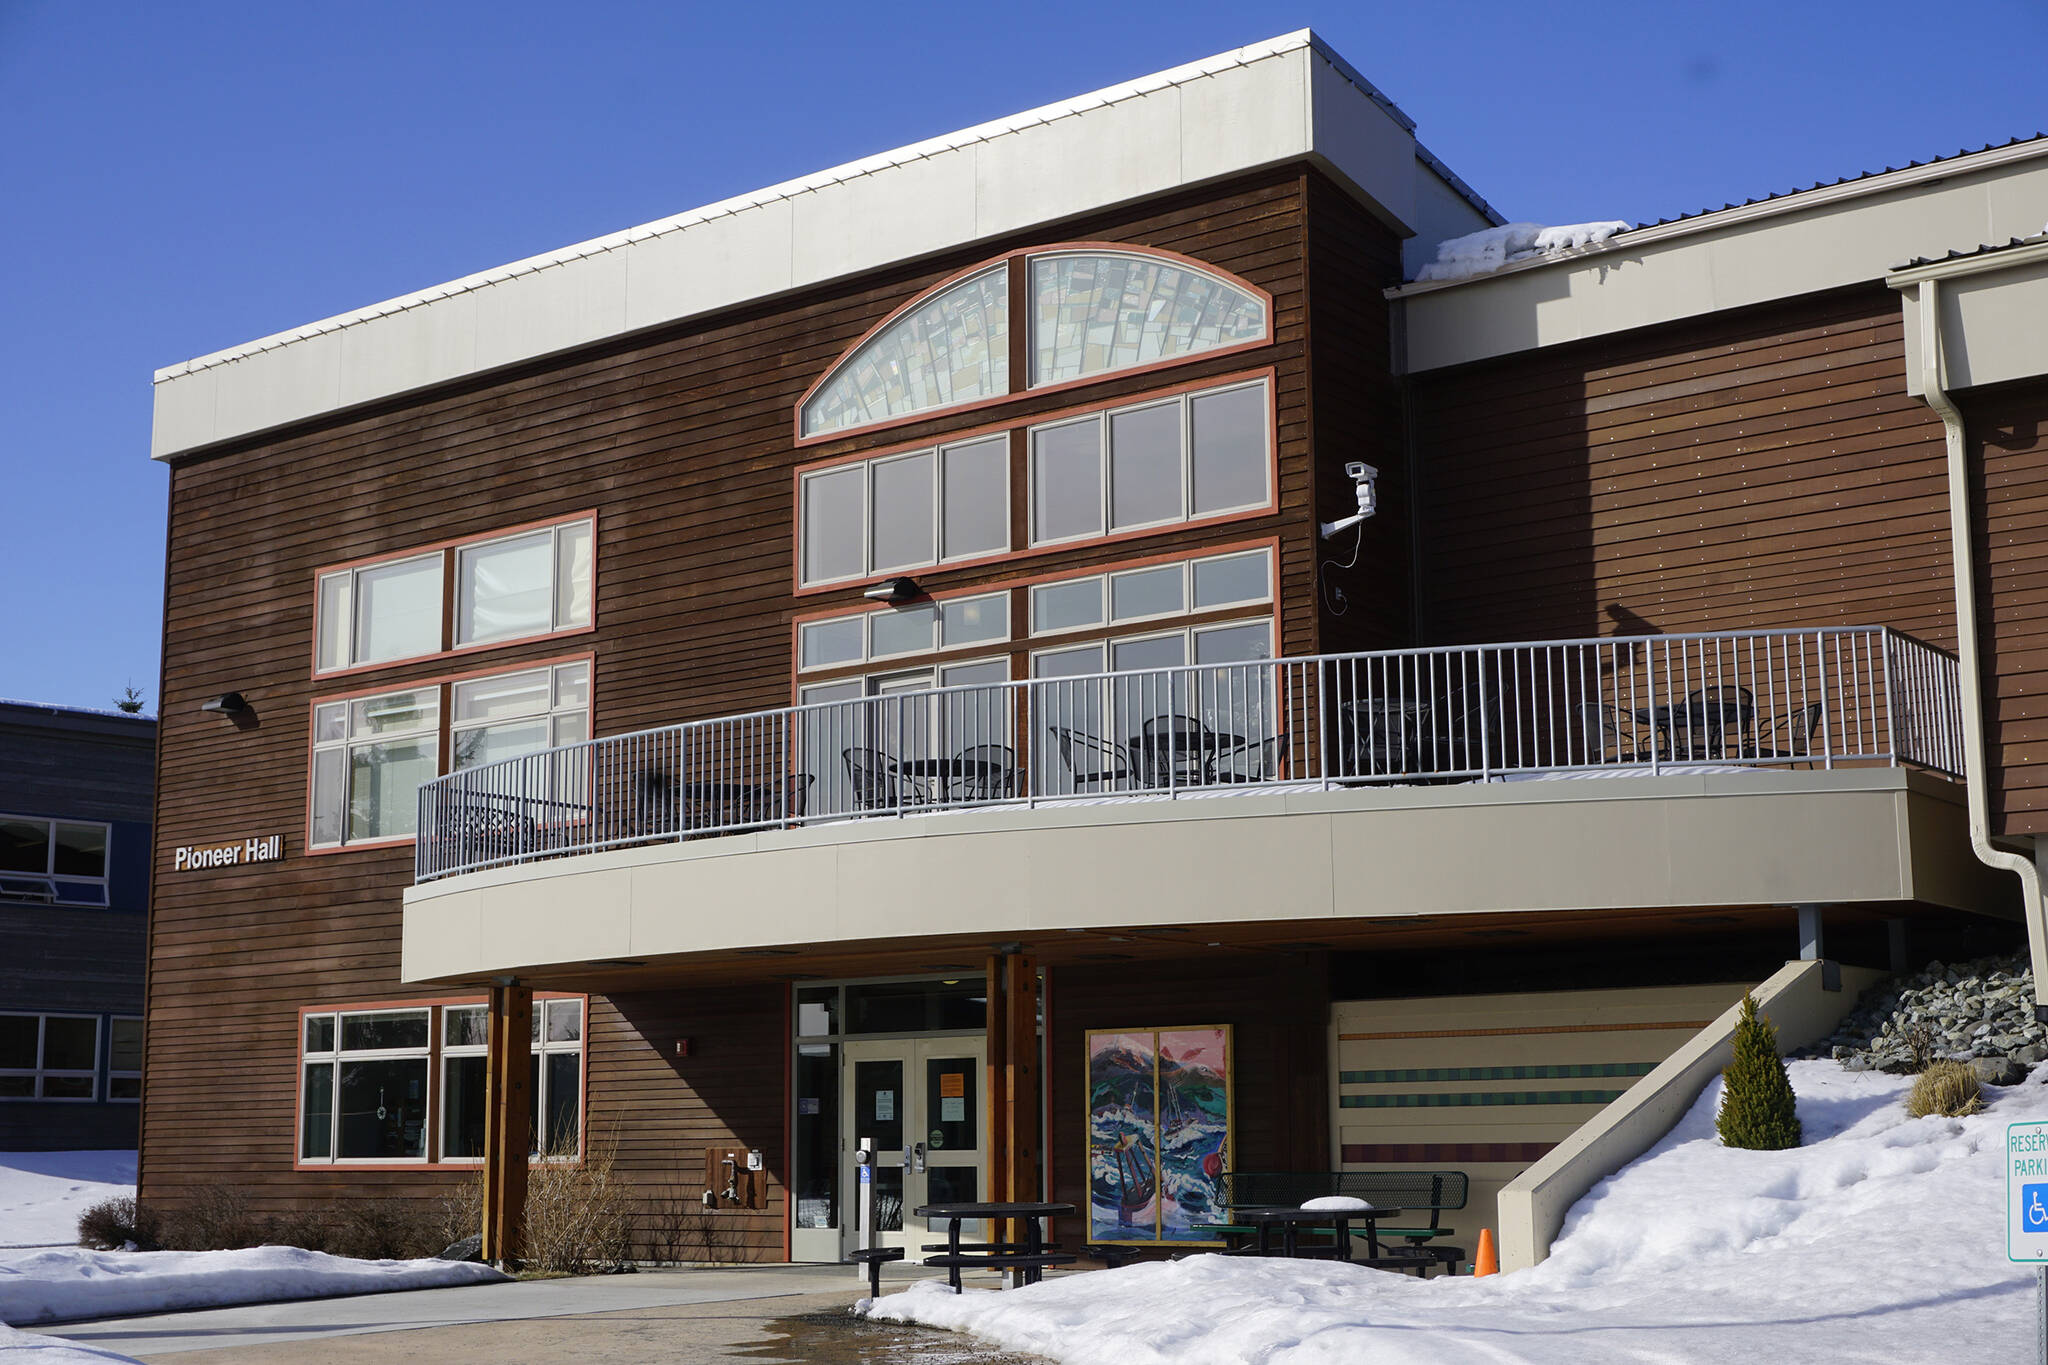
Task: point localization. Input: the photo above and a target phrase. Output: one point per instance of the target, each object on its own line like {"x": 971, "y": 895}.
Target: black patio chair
{"x": 1389, "y": 736}
{"x": 1255, "y": 760}
{"x": 1606, "y": 728}
{"x": 875, "y": 779}
{"x": 986, "y": 772}
{"x": 1715, "y": 711}
{"x": 1091, "y": 761}
{"x": 1792, "y": 736}
{"x": 1177, "y": 751}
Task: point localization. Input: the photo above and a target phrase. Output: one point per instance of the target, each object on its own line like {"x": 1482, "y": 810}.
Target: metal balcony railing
{"x": 1596, "y": 707}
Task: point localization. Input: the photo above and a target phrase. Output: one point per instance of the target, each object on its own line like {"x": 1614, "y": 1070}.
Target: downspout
{"x": 1976, "y": 764}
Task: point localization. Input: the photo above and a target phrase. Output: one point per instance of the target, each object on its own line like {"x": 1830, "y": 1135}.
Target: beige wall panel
{"x": 709, "y": 265}
{"x": 1364, "y": 143}
{"x": 1244, "y": 116}
{"x": 1121, "y": 151}
{"x": 551, "y": 309}
{"x": 409, "y": 349}
{"x": 183, "y": 413}
{"x": 266, "y": 388}
{"x": 868, "y": 221}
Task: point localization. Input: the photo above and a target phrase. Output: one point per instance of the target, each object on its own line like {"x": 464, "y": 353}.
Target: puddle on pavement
{"x": 839, "y": 1338}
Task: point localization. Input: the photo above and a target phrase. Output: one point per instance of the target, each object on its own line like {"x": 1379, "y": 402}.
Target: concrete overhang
{"x": 1993, "y": 307}
{"x": 1847, "y": 836}
{"x": 1804, "y": 243}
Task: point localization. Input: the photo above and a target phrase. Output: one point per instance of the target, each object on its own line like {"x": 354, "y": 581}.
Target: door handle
{"x": 917, "y": 1158}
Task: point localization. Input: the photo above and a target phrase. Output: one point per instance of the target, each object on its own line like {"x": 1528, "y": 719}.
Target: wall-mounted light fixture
{"x": 894, "y": 591}
{"x": 226, "y": 704}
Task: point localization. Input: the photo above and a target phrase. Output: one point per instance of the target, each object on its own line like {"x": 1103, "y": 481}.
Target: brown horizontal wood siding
{"x": 2009, "y": 502}
{"x": 1760, "y": 469}
{"x": 1278, "y": 1008}
{"x": 682, "y": 442}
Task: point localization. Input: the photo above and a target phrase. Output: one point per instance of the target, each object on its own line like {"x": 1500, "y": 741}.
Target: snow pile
{"x": 1476, "y": 253}
{"x": 42, "y": 1193}
{"x": 1882, "y": 1239}
{"x": 24, "y": 1348}
{"x": 60, "y": 1286}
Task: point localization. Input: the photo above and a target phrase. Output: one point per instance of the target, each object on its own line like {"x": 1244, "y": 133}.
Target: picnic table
{"x": 1028, "y": 1258}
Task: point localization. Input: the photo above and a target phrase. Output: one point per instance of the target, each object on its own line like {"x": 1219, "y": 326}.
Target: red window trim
{"x": 448, "y": 550}
{"x": 1269, "y": 374}
{"x": 1015, "y": 260}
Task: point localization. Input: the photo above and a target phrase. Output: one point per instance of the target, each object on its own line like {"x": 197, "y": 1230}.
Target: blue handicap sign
{"x": 867, "y": 1176}
{"x": 2034, "y": 1208}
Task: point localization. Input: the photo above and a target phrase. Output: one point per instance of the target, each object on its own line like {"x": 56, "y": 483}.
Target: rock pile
{"x": 1980, "y": 1012}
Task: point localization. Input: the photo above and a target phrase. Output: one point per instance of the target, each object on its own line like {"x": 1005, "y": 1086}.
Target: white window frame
{"x": 542, "y": 1047}
{"x": 555, "y": 624}
{"x": 350, "y": 598}
{"x": 41, "y": 1073}
{"x": 16, "y": 886}
{"x": 870, "y": 567}
{"x": 1185, "y": 400}
{"x": 334, "y": 1058}
{"x": 1109, "y": 617}
{"x": 123, "y": 1074}
{"x": 555, "y": 712}
{"x": 348, "y": 742}
{"x": 939, "y": 645}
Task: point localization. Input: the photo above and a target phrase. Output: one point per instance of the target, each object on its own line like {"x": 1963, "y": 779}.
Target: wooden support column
{"x": 1013, "y": 1085}
{"x": 507, "y": 1139}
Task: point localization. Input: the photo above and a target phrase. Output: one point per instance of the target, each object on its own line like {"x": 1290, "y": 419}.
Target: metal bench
{"x": 873, "y": 1258}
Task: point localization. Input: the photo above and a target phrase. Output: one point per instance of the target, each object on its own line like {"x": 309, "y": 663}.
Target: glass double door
{"x": 919, "y": 1101}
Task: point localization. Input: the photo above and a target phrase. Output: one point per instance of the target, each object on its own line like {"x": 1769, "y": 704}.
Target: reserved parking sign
{"x": 2026, "y": 1192}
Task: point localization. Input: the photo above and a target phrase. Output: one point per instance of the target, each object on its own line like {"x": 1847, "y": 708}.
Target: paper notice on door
{"x": 885, "y": 1106}
{"x": 953, "y": 1085}
{"x": 952, "y": 1109}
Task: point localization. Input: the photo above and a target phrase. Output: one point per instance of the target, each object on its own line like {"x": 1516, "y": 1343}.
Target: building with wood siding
{"x": 74, "y": 902}
{"x": 819, "y": 665}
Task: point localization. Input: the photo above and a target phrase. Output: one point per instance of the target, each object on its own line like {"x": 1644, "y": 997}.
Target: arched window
{"x": 1093, "y": 312}
{"x": 952, "y": 348}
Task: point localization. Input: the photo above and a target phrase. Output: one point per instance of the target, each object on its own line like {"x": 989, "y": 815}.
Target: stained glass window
{"x": 1093, "y": 313}
{"x": 953, "y": 348}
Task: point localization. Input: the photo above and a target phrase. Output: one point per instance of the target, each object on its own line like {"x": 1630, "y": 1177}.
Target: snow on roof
{"x": 58, "y": 709}
{"x": 1478, "y": 253}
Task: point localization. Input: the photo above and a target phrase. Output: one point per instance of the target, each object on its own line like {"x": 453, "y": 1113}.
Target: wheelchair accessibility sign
{"x": 2026, "y": 1192}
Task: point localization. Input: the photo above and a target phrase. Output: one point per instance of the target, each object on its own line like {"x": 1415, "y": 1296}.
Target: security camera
{"x": 1366, "y": 477}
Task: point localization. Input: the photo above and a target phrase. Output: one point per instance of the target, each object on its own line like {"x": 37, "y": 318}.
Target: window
{"x": 511, "y": 714}
{"x": 906, "y": 511}
{"x": 53, "y": 862}
{"x": 1196, "y": 455}
{"x": 1094, "y": 313}
{"x": 895, "y": 632}
{"x": 509, "y": 587}
{"x": 533, "y": 583}
{"x": 952, "y": 348}
{"x": 1198, "y": 585}
{"x": 364, "y": 1094}
{"x": 380, "y": 613}
{"x": 554, "y": 1112}
{"x": 49, "y": 1056}
{"x": 124, "y": 1059}
{"x": 370, "y": 755}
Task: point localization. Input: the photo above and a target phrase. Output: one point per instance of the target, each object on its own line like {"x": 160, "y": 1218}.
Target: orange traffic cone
{"x": 1486, "y": 1263}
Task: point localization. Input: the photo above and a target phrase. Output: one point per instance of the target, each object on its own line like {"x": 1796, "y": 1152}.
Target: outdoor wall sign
{"x": 264, "y": 848}
{"x": 1159, "y": 1132}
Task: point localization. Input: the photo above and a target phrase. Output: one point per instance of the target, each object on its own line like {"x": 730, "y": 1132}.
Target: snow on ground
{"x": 26, "y": 1348}
{"x": 61, "y": 1286}
{"x": 42, "y": 1193}
{"x": 1881, "y": 1239}
{"x": 1477, "y": 253}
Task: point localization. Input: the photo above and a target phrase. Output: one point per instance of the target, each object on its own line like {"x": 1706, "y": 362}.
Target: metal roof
{"x": 1985, "y": 249}
{"x": 1846, "y": 180}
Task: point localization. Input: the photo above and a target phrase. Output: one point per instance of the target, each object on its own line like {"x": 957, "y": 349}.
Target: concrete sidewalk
{"x": 759, "y": 1313}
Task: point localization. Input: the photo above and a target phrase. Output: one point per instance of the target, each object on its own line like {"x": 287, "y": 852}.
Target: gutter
{"x": 1976, "y": 765}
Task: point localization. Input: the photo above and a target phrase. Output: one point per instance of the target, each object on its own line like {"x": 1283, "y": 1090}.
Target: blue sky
{"x": 181, "y": 178}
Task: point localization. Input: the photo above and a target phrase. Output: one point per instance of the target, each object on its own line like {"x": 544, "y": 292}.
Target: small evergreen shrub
{"x": 1947, "y": 1088}
{"x": 113, "y": 1224}
{"x": 1758, "y": 1109}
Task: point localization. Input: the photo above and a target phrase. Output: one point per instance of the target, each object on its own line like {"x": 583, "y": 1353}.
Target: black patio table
{"x": 1710, "y": 721}
{"x": 1028, "y": 1258}
{"x": 1291, "y": 1220}
{"x": 974, "y": 771}
{"x": 1167, "y": 750}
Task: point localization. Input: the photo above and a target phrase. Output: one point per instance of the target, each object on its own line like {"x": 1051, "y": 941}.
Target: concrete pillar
{"x": 1812, "y": 948}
